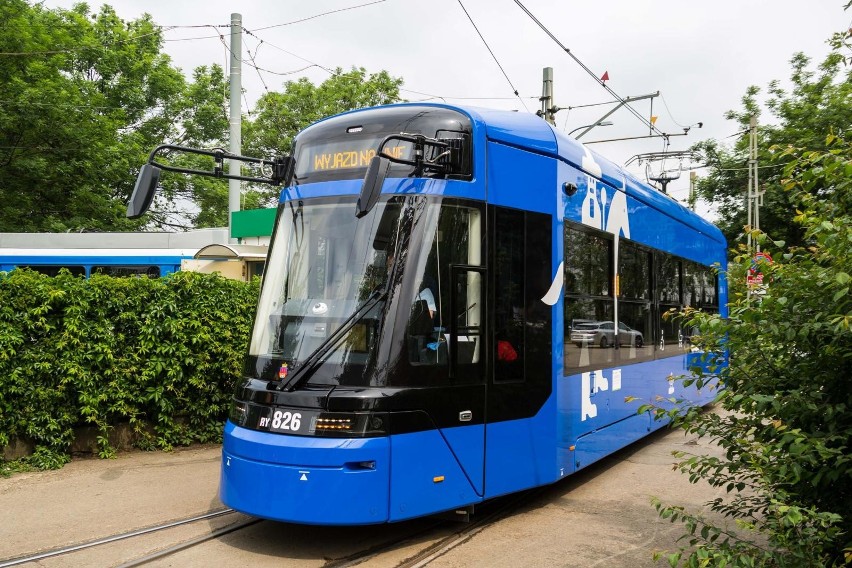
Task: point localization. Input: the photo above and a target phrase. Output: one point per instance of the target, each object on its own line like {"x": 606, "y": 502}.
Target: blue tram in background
{"x": 147, "y": 254}
{"x": 114, "y": 254}
{"x": 457, "y": 302}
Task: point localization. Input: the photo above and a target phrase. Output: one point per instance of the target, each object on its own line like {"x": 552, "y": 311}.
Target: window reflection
{"x": 588, "y": 262}
{"x": 634, "y": 303}
{"x": 651, "y": 287}
{"x": 589, "y": 307}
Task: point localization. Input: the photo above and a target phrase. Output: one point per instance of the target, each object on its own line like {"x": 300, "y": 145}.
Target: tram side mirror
{"x": 377, "y": 172}
{"x": 143, "y": 192}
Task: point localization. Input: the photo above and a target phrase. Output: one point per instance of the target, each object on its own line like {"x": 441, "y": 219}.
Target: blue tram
{"x": 457, "y": 303}
{"x": 114, "y": 254}
{"x": 151, "y": 264}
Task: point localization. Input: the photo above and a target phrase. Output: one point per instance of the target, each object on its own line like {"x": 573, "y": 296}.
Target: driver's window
{"x": 454, "y": 238}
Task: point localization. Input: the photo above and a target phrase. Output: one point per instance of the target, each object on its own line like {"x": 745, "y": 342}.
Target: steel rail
{"x": 113, "y": 538}
{"x": 188, "y": 544}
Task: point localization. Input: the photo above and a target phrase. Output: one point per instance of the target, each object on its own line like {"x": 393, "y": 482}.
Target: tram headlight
{"x": 332, "y": 424}
{"x": 350, "y": 424}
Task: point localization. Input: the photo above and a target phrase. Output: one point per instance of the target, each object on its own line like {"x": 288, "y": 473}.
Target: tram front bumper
{"x": 303, "y": 479}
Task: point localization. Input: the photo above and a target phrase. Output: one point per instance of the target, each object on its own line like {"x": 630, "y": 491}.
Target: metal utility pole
{"x": 692, "y": 197}
{"x": 754, "y": 197}
{"x": 236, "y": 118}
{"x": 547, "y": 111}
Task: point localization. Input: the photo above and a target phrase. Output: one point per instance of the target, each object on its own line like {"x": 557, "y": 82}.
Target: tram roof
{"x": 136, "y": 240}
{"x": 528, "y": 131}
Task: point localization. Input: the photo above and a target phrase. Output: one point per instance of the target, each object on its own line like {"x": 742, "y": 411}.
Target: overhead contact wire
{"x": 514, "y": 90}
{"x": 320, "y": 15}
{"x": 590, "y": 72}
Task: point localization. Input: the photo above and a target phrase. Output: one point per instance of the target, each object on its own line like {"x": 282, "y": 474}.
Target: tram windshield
{"x": 326, "y": 266}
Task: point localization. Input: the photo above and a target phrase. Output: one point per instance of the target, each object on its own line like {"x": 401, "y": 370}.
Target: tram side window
{"x": 509, "y": 296}
{"x": 635, "y": 335}
{"x": 589, "y": 309}
{"x": 456, "y": 240}
{"x": 704, "y": 283}
{"x": 124, "y": 271}
{"x": 692, "y": 277}
{"x": 53, "y": 269}
{"x": 698, "y": 289}
{"x": 710, "y": 283}
{"x": 668, "y": 298}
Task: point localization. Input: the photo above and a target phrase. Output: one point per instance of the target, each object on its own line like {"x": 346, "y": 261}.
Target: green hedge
{"x": 160, "y": 354}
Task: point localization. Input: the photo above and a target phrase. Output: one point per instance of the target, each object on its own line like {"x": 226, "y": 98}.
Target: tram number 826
{"x": 291, "y": 421}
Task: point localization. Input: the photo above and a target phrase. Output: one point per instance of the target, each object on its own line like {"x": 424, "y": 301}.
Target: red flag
{"x": 605, "y": 76}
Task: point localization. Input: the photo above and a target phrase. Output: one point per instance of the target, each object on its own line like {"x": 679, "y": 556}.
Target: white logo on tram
{"x": 591, "y": 383}
{"x": 604, "y": 211}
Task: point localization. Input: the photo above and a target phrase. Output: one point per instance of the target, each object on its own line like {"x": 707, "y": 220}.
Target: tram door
{"x": 455, "y": 270}
{"x": 519, "y": 380}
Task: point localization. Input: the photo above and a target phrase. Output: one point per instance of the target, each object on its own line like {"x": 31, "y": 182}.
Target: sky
{"x": 700, "y": 56}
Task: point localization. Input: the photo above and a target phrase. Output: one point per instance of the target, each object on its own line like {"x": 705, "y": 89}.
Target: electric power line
{"x": 161, "y": 28}
{"x": 290, "y": 53}
{"x": 669, "y": 112}
{"x": 636, "y": 113}
{"x": 319, "y": 66}
{"x": 492, "y": 54}
{"x": 320, "y": 15}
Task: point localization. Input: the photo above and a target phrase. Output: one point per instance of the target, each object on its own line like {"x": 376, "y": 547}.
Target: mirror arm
{"x": 420, "y": 142}
{"x": 281, "y": 167}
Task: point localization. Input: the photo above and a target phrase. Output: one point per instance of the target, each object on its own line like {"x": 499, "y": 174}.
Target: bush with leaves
{"x": 785, "y": 423}
{"x": 162, "y": 355}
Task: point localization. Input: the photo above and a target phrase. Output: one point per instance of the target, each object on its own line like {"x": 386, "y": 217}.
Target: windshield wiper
{"x": 309, "y": 365}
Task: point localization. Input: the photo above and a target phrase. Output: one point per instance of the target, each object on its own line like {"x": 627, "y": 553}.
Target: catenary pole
{"x": 547, "y": 96}
{"x": 755, "y": 197}
{"x": 235, "y": 118}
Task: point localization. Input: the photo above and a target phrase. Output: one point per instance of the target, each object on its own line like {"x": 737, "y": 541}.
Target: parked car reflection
{"x": 602, "y": 334}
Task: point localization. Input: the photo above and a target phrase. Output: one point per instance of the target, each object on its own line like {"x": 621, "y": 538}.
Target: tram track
{"x": 67, "y": 550}
{"x": 142, "y": 560}
{"x": 445, "y": 532}
{"x": 496, "y": 511}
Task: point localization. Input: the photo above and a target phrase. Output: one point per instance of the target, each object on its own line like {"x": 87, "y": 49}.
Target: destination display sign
{"x": 345, "y": 155}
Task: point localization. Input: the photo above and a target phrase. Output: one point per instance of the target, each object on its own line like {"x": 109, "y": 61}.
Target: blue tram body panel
{"x": 518, "y": 162}
{"x": 324, "y": 480}
{"x": 304, "y": 479}
{"x": 428, "y": 477}
{"x": 596, "y": 417}
{"x": 521, "y": 454}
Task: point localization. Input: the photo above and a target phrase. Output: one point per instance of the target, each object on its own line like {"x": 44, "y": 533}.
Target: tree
{"x": 818, "y": 103}
{"x": 786, "y": 420}
{"x": 200, "y": 120}
{"x": 86, "y": 96}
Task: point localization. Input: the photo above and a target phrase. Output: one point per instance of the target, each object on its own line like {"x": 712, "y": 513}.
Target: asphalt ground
{"x": 601, "y": 516}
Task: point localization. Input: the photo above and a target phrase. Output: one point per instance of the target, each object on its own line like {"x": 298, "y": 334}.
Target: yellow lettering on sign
{"x": 321, "y": 161}
{"x": 395, "y": 152}
{"x": 353, "y": 159}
